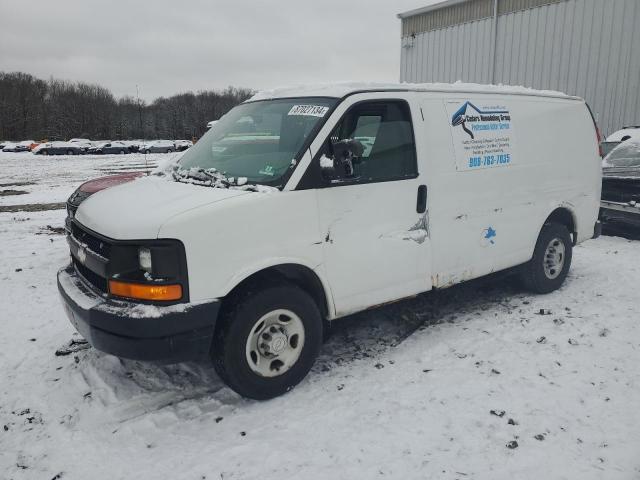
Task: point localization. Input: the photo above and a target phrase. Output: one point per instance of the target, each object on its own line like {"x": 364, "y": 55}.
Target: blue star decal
{"x": 490, "y": 235}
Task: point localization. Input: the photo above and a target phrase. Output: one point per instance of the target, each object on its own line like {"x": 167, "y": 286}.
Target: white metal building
{"x": 589, "y": 48}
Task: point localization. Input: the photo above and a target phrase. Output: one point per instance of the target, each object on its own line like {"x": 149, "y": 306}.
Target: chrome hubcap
{"x": 554, "y": 258}
{"x": 275, "y": 343}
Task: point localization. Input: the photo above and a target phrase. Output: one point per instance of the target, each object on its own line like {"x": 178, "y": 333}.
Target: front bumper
{"x": 167, "y": 334}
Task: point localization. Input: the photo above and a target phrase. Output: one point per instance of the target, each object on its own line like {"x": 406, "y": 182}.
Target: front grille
{"x": 93, "y": 278}
{"x": 94, "y": 244}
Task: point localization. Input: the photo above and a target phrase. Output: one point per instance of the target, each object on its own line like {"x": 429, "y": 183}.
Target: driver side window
{"x": 385, "y": 131}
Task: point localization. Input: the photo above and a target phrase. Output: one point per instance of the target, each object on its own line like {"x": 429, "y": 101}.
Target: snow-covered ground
{"x": 437, "y": 387}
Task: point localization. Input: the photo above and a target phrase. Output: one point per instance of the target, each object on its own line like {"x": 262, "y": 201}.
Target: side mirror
{"x": 346, "y": 153}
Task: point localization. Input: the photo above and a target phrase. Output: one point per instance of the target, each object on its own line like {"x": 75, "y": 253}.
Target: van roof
{"x": 339, "y": 90}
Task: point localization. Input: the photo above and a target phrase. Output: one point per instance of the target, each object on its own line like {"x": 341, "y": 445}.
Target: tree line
{"x": 32, "y": 108}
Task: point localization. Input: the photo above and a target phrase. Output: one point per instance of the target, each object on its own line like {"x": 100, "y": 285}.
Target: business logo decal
{"x": 482, "y": 133}
{"x": 479, "y": 118}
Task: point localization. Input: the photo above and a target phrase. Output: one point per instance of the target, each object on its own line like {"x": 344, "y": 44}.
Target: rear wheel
{"x": 268, "y": 341}
{"x": 69, "y": 152}
{"x": 44, "y": 152}
{"x": 121, "y": 152}
{"x": 551, "y": 261}
{"x": 169, "y": 150}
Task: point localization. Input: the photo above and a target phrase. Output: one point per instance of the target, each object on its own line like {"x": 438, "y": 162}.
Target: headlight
{"x": 155, "y": 270}
{"x": 144, "y": 258}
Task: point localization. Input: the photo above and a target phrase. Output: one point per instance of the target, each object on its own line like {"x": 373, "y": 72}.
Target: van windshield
{"x": 258, "y": 141}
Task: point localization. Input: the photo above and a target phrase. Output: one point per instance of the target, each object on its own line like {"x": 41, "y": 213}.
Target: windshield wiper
{"x": 205, "y": 177}
{"x": 211, "y": 177}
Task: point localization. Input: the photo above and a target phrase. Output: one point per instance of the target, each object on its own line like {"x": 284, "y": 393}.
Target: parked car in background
{"x": 18, "y": 147}
{"x": 58, "y": 148}
{"x": 158, "y": 146}
{"x": 11, "y": 147}
{"x": 84, "y": 143}
{"x": 620, "y": 204}
{"x": 613, "y": 140}
{"x": 132, "y": 145}
{"x": 39, "y": 147}
{"x": 87, "y": 189}
{"x": 118, "y": 148}
{"x": 182, "y": 145}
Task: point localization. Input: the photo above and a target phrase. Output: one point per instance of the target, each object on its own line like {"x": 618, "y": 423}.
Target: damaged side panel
{"x": 375, "y": 249}
{"x": 418, "y": 233}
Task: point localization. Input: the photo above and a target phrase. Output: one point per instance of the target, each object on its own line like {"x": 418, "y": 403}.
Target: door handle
{"x": 421, "y": 204}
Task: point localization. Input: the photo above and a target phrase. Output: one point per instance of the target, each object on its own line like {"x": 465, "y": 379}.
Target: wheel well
{"x": 299, "y": 275}
{"x": 564, "y": 217}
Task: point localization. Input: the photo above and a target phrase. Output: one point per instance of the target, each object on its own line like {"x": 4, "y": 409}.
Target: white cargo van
{"x": 307, "y": 204}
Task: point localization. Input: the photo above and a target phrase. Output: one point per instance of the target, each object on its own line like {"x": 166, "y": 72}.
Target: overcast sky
{"x": 172, "y": 46}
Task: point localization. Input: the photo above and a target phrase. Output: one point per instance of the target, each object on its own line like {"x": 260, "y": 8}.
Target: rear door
{"x": 374, "y": 223}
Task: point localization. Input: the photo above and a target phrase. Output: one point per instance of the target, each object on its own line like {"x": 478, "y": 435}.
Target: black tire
{"x": 121, "y": 152}
{"x": 147, "y": 151}
{"x": 69, "y": 152}
{"x": 534, "y": 275}
{"x": 235, "y": 325}
{"x": 44, "y": 152}
{"x": 169, "y": 150}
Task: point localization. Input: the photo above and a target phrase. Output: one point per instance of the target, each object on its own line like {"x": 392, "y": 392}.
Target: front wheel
{"x": 549, "y": 267}
{"x": 268, "y": 341}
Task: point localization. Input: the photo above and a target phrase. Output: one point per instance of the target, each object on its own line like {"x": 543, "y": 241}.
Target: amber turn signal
{"x": 142, "y": 291}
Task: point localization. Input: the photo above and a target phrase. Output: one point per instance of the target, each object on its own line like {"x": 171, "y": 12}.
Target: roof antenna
{"x": 146, "y": 166}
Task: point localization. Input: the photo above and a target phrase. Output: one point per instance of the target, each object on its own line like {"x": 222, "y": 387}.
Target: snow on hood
{"x": 137, "y": 210}
{"x": 339, "y": 90}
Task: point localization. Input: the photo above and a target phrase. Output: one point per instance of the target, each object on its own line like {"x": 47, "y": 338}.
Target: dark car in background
{"x": 182, "y": 145}
{"x": 58, "y": 148}
{"x": 118, "y": 148}
{"x": 18, "y": 147}
{"x": 620, "y": 204}
{"x": 158, "y": 146}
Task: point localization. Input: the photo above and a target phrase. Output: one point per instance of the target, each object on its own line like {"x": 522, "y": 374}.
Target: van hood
{"x": 136, "y": 210}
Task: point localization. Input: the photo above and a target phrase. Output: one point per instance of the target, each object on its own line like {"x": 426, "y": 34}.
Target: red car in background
{"x": 87, "y": 189}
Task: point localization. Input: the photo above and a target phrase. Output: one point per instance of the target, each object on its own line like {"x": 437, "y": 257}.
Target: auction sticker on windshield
{"x": 309, "y": 110}
{"x": 482, "y": 135}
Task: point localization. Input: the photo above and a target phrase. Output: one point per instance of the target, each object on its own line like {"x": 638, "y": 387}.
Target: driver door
{"x": 374, "y": 222}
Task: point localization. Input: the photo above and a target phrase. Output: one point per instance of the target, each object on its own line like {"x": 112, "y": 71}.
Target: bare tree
{"x": 58, "y": 110}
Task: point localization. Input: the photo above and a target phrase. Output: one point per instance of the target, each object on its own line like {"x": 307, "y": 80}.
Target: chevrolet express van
{"x": 303, "y": 205}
